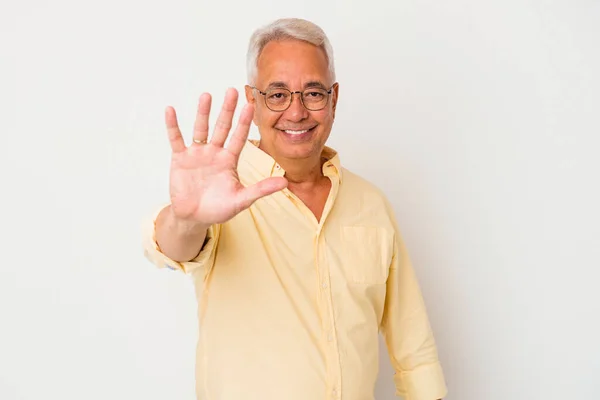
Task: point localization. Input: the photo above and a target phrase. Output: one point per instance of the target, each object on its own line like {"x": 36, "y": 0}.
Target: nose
{"x": 296, "y": 111}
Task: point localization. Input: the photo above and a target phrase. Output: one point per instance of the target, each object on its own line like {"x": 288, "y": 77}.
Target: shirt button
{"x": 330, "y": 337}
{"x": 277, "y": 166}
{"x": 324, "y": 285}
{"x": 334, "y": 392}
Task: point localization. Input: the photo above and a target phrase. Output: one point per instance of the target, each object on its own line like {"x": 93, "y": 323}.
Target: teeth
{"x": 296, "y": 132}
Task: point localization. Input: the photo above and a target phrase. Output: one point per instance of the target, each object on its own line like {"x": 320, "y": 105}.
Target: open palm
{"x": 204, "y": 184}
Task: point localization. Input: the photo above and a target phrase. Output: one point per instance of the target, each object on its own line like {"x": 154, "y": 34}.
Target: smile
{"x": 296, "y": 132}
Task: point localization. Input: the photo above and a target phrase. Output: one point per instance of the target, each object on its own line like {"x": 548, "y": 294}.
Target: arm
{"x": 179, "y": 240}
{"x": 407, "y": 332}
{"x": 204, "y": 186}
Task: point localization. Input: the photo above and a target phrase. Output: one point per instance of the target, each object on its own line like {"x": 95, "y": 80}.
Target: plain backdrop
{"x": 479, "y": 120}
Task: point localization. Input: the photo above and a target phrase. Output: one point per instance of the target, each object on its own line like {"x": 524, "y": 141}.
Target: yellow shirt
{"x": 290, "y": 308}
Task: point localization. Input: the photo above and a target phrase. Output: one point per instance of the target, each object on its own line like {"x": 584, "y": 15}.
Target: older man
{"x": 297, "y": 262}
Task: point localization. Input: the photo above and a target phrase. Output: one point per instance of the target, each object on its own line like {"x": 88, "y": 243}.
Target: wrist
{"x": 186, "y": 227}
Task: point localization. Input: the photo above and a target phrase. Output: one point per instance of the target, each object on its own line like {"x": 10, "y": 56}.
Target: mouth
{"x": 290, "y": 132}
{"x": 296, "y": 136}
{"x": 297, "y": 132}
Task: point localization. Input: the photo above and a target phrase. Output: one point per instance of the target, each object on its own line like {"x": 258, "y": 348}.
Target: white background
{"x": 479, "y": 119}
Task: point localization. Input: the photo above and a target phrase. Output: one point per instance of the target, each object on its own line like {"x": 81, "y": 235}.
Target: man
{"x": 297, "y": 262}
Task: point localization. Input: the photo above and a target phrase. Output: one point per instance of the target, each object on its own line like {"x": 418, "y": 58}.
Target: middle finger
{"x": 223, "y": 124}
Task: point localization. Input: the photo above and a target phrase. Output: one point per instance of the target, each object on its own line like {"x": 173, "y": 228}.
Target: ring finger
{"x": 201, "y": 123}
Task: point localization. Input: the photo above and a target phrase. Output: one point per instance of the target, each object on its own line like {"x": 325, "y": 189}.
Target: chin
{"x": 297, "y": 145}
{"x": 295, "y": 153}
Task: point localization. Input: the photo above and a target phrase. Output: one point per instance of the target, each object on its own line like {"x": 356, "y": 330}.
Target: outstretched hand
{"x": 204, "y": 184}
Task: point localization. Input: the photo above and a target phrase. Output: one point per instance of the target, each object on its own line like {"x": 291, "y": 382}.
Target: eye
{"x": 277, "y": 95}
{"x": 314, "y": 95}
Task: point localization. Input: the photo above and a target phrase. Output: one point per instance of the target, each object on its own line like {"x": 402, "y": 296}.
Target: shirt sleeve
{"x": 202, "y": 262}
{"x": 407, "y": 333}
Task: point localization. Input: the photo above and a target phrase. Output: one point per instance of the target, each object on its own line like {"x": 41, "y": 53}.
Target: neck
{"x": 306, "y": 171}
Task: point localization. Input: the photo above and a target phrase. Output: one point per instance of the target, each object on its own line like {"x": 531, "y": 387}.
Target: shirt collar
{"x": 267, "y": 166}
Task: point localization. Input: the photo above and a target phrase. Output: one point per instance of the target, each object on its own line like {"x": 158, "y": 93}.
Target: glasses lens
{"x": 315, "y": 99}
{"x": 278, "y": 99}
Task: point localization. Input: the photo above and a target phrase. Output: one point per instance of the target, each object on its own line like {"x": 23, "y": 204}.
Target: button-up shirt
{"x": 290, "y": 307}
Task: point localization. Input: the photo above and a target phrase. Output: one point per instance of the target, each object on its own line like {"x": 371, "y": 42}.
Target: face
{"x": 295, "y": 133}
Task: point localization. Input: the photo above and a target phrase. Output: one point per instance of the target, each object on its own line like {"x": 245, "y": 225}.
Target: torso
{"x": 314, "y": 199}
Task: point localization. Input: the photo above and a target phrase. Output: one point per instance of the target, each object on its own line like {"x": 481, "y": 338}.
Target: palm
{"x": 204, "y": 185}
{"x": 203, "y": 179}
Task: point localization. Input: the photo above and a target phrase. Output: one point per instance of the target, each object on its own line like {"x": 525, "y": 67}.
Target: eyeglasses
{"x": 280, "y": 99}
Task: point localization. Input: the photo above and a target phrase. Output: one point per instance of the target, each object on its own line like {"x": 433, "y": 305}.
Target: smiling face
{"x": 296, "y": 133}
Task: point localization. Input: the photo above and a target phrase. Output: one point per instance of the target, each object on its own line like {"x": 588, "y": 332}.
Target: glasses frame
{"x": 329, "y": 91}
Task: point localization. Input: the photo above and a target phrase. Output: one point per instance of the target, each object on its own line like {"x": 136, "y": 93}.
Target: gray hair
{"x": 286, "y": 29}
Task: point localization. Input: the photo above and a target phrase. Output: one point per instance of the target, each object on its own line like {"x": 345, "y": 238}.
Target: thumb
{"x": 249, "y": 195}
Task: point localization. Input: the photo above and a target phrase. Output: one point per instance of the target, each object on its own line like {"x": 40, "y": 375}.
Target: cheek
{"x": 265, "y": 118}
{"x": 324, "y": 116}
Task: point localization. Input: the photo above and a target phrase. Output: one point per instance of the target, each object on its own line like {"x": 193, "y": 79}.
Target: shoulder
{"x": 361, "y": 196}
{"x": 361, "y": 186}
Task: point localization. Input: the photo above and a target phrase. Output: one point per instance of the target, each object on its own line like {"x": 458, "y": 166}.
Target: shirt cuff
{"x": 154, "y": 254}
{"x": 423, "y": 383}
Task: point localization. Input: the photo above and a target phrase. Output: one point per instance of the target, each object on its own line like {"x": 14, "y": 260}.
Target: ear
{"x": 249, "y": 95}
{"x": 252, "y": 100}
{"x": 334, "y": 97}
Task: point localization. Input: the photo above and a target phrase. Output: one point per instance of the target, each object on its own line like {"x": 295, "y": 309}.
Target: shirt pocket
{"x": 367, "y": 254}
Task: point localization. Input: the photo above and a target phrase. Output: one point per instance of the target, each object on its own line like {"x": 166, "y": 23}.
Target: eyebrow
{"x": 311, "y": 84}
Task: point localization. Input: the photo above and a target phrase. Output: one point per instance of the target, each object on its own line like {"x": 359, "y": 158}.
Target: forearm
{"x": 179, "y": 240}
{"x": 408, "y": 334}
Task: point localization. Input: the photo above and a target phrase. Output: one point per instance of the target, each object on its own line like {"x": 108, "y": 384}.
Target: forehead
{"x": 293, "y": 62}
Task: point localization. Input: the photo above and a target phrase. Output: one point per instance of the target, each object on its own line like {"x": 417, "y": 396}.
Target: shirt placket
{"x": 334, "y": 379}
{"x": 329, "y": 327}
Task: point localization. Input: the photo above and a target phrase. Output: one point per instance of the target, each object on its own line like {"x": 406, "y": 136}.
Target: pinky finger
{"x": 175, "y": 138}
